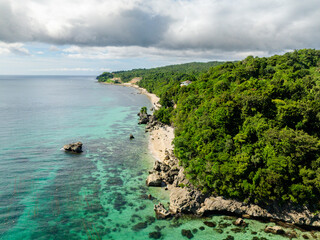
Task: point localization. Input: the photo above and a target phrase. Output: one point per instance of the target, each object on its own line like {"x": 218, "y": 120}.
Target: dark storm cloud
{"x": 125, "y": 28}
{"x": 200, "y": 25}
{"x": 248, "y": 26}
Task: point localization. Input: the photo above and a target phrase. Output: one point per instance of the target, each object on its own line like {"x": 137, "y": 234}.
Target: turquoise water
{"x": 46, "y": 193}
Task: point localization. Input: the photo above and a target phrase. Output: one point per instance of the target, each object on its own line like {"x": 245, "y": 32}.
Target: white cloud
{"x": 76, "y": 69}
{"x": 13, "y": 48}
{"x": 54, "y": 49}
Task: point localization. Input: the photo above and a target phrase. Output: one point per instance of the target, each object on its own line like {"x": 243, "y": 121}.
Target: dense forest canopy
{"x": 248, "y": 130}
{"x": 163, "y": 74}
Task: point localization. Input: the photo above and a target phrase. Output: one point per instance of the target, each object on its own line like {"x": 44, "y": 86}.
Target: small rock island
{"x": 73, "y": 147}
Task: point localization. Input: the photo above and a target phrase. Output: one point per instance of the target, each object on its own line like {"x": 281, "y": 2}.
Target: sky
{"x": 87, "y": 37}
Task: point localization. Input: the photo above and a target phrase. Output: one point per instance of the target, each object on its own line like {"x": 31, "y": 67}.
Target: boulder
{"x": 240, "y": 222}
{"x": 219, "y": 204}
{"x": 183, "y": 200}
{"x": 73, "y": 147}
{"x": 169, "y": 176}
{"x": 161, "y": 211}
{"x": 154, "y": 180}
{"x": 157, "y": 166}
{"x": 131, "y": 136}
{"x": 144, "y": 118}
{"x": 274, "y": 230}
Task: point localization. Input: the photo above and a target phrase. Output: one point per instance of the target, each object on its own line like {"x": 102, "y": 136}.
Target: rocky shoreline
{"x": 186, "y": 199}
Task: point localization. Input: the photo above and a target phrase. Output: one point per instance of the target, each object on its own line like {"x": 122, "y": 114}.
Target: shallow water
{"x": 46, "y": 193}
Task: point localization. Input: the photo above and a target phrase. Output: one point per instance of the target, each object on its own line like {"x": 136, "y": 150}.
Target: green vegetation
{"x": 165, "y": 72}
{"x": 105, "y": 77}
{"x": 248, "y": 130}
{"x": 144, "y": 110}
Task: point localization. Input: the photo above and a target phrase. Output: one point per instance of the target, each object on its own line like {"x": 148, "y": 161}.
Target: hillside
{"x": 160, "y": 73}
{"x": 247, "y": 130}
{"x": 250, "y": 130}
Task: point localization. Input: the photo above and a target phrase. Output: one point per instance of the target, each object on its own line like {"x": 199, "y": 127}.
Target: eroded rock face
{"x": 301, "y": 216}
{"x": 213, "y": 204}
{"x": 184, "y": 200}
{"x": 154, "y": 180}
{"x": 163, "y": 173}
{"x": 73, "y": 147}
{"x": 240, "y": 223}
{"x": 161, "y": 211}
{"x": 144, "y": 118}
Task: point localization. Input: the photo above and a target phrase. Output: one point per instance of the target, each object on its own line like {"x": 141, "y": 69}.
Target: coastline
{"x": 161, "y": 137}
{"x": 186, "y": 200}
{"x": 153, "y": 98}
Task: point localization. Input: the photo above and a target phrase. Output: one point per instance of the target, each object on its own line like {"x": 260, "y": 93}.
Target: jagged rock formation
{"x": 144, "y": 118}
{"x": 163, "y": 173}
{"x": 161, "y": 211}
{"x": 73, "y": 147}
{"x": 186, "y": 199}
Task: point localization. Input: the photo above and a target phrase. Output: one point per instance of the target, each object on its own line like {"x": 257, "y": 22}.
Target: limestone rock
{"x": 240, "y": 222}
{"x": 73, "y": 147}
{"x": 274, "y": 230}
{"x": 183, "y": 200}
{"x": 161, "y": 211}
{"x": 154, "y": 180}
{"x": 144, "y": 118}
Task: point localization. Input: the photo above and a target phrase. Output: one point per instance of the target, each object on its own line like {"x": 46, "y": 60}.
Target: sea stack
{"x": 73, "y": 147}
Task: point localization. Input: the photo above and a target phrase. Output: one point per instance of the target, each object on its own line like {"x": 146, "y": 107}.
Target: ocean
{"x": 46, "y": 193}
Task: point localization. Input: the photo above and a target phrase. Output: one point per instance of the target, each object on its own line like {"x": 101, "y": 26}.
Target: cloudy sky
{"x": 90, "y": 36}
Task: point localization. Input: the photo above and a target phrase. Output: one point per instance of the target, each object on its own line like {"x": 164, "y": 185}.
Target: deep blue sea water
{"x": 46, "y": 193}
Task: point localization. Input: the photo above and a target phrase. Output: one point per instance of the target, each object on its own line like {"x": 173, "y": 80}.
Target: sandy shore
{"x": 161, "y": 137}
{"x": 153, "y": 98}
{"x": 161, "y": 140}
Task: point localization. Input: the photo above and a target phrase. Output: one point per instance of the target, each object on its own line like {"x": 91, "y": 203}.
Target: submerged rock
{"x": 139, "y": 226}
{"x": 155, "y": 235}
{"x": 73, "y": 147}
{"x": 210, "y": 224}
{"x": 186, "y": 233}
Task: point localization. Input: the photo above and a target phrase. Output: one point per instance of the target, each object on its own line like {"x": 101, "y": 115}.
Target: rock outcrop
{"x": 296, "y": 215}
{"x": 186, "y": 199}
{"x": 73, "y": 147}
{"x": 154, "y": 180}
{"x": 240, "y": 223}
{"x": 144, "y": 118}
{"x": 274, "y": 230}
{"x": 163, "y": 173}
{"x": 161, "y": 211}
